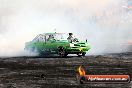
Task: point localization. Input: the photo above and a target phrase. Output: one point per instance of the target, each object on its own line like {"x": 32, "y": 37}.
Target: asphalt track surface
{"x": 55, "y": 72}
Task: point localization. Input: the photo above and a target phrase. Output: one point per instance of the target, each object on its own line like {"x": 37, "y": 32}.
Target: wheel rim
{"x": 62, "y": 52}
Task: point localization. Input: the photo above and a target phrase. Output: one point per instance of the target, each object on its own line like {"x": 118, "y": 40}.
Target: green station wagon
{"x": 56, "y": 43}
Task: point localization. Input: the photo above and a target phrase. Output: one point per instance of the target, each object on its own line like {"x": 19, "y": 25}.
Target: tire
{"x": 83, "y": 54}
{"x": 82, "y": 80}
{"x": 79, "y": 55}
{"x": 62, "y": 52}
{"x": 34, "y": 50}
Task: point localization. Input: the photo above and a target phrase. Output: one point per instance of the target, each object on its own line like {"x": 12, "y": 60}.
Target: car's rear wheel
{"x": 62, "y": 52}
{"x": 34, "y": 50}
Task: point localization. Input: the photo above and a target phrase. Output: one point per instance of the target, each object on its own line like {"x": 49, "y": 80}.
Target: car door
{"x": 48, "y": 45}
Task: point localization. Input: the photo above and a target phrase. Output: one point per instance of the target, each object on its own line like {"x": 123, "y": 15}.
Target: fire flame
{"x": 81, "y": 71}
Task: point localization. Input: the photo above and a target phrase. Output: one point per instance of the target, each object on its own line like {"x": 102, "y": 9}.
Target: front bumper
{"x": 77, "y": 49}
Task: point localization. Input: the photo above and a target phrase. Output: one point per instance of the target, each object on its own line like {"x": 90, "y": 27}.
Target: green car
{"x": 57, "y": 43}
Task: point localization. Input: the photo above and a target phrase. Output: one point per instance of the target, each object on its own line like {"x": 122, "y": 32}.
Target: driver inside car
{"x": 51, "y": 37}
{"x": 71, "y": 38}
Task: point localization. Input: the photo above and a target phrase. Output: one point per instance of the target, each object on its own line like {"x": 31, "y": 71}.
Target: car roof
{"x": 52, "y": 33}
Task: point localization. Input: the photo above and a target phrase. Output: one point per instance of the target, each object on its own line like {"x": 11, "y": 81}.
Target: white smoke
{"x": 101, "y": 22}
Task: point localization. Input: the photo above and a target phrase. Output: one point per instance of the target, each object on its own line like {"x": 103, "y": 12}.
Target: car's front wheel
{"x": 81, "y": 54}
{"x": 62, "y": 52}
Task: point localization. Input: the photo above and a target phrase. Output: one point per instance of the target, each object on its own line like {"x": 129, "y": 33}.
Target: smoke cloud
{"x": 105, "y": 24}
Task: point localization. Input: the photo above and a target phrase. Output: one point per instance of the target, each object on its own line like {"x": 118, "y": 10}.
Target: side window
{"x": 50, "y": 37}
{"x": 39, "y": 38}
{"x": 47, "y": 37}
